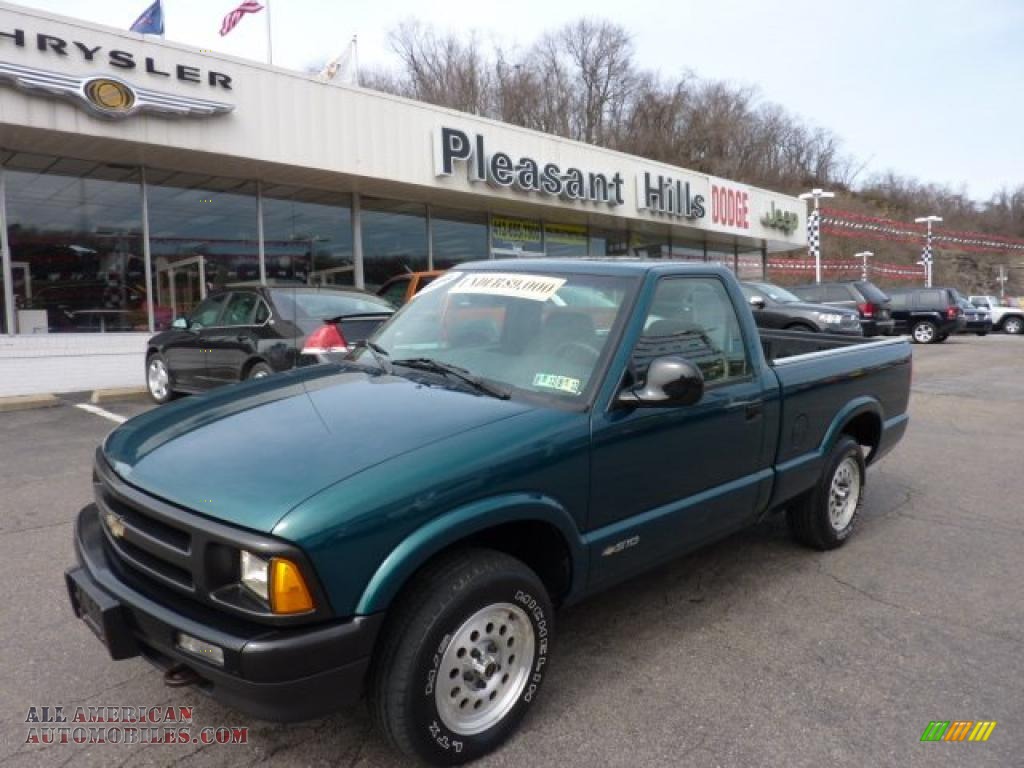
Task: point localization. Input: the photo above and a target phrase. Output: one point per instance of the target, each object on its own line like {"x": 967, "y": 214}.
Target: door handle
{"x": 754, "y": 410}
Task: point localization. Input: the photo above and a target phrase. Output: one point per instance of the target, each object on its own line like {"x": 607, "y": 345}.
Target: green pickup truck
{"x": 404, "y": 523}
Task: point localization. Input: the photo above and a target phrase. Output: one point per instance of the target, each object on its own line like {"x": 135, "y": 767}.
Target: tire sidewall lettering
{"x": 450, "y": 742}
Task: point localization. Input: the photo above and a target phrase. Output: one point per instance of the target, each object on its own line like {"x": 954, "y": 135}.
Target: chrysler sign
{"x": 109, "y": 96}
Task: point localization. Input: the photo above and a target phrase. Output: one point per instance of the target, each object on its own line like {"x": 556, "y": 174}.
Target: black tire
{"x": 259, "y": 371}
{"x": 981, "y": 333}
{"x": 1013, "y": 325}
{"x": 942, "y": 338}
{"x": 924, "y": 332}
{"x": 810, "y": 519}
{"x": 157, "y": 393}
{"x": 422, "y": 636}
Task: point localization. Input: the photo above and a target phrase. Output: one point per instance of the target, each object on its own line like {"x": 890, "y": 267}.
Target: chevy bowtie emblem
{"x": 115, "y": 524}
{"x": 106, "y": 96}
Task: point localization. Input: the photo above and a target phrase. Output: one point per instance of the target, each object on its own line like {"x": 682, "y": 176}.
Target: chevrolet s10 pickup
{"x": 402, "y": 524}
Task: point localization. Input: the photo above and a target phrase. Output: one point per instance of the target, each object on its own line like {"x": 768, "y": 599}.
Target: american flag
{"x": 232, "y": 19}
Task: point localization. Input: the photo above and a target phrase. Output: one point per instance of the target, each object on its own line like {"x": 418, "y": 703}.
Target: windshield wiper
{"x": 379, "y": 354}
{"x": 447, "y": 369}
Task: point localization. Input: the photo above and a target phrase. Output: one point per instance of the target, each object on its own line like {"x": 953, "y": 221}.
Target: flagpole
{"x": 355, "y": 59}
{"x": 270, "y": 46}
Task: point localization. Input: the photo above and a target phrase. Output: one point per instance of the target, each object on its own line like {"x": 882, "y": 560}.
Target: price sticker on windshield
{"x": 530, "y": 287}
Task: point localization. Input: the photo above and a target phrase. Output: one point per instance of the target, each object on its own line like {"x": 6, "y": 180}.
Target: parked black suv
{"x": 929, "y": 315}
{"x": 775, "y": 307}
{"x": 869, "y": 301}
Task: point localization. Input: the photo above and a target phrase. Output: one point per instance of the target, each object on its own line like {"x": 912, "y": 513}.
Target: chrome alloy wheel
{"x": 261, "y": 374}
{"x": 844, "y": 495}
{"x": 158, "y": 379}
{"x": 484, "y": 669}
{"x": 923, "y": 333}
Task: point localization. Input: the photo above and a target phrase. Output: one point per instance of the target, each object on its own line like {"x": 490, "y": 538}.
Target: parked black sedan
{"x": 775, "y": 307}
{"x": 250, "y": 332}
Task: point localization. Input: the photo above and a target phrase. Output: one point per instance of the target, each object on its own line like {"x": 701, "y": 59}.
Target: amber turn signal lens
{"x": 288, "y": 590}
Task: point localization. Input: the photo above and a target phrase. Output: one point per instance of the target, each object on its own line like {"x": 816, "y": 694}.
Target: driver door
{"x": 186, "y": 352}
{"x": 666, "y": 479}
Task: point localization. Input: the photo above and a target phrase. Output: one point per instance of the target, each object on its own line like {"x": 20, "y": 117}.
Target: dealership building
{"x": 137, "y": 175}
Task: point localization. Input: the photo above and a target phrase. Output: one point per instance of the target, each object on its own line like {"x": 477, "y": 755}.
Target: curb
{"x": 113, "y": 395}
{"x": 27, "y": 402}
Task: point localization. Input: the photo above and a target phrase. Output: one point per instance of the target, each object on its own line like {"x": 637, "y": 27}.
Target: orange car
{"x": 401, "y": 288}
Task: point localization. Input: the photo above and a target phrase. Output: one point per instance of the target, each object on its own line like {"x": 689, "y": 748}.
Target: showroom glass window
{"x": 687, "y": 250}
{"x": 394, "y": 240}
{"x": 202, "y": 233}
{"x": 649, "y": 244}
{"x": 307, "y": 236}
{"x": 512, "y": 237}
{"x": 565, "y": 240}
{"x": 609, "y": 242}
{"x": 75, "y": 234}
{"x": 458, "y": 236}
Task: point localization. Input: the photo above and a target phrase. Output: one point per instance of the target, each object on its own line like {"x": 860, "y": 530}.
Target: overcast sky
{"x": 928, "y": 88}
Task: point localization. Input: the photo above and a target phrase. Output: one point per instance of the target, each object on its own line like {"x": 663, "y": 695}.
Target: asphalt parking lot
{"x": 753, "y": 652}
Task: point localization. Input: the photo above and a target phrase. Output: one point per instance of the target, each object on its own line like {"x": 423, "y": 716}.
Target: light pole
{"x": 864, "y": 256}
{"x": 814, "y": 228}
{"x": 926, "y": 256}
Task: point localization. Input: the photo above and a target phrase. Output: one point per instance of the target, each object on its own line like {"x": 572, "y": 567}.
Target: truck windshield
{"x": 541, "y": 333}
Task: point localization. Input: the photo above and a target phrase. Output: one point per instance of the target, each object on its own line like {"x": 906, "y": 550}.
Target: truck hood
{"x": 248, "y": 453}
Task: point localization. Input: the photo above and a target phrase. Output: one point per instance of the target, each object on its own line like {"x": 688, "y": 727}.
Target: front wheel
{"x": 462, "y": 657}
{"x": 981, "y": 333}
{"x": 924, "y": 332}
{"x": 1014, "y": 325}
{"x": 826, "y": 516}
{"x": 158, "y": 379}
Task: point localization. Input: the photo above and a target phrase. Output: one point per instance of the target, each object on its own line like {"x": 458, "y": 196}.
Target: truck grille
{"x": 141, "y": 539}
{"x": 150, "y": 540}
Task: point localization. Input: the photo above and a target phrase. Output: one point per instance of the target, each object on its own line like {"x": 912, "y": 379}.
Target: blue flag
{"x": 151, "y": 22}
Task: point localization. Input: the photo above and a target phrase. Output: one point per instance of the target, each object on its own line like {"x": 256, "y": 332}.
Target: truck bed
{"x": 780, "y": 345}
{"x": 825, "y": 379}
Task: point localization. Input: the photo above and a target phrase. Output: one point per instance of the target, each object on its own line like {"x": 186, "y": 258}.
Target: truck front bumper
{"x": 273, "y": 673}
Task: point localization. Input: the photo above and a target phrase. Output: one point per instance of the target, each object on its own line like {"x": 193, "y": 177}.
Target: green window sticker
{"x": 561, "y": 383}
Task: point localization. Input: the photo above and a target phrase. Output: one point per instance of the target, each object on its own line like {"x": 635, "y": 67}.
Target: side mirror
{"x": 757, "y": 302}
{"x": 181, "y": 323}
{"x": 670, "y": 381}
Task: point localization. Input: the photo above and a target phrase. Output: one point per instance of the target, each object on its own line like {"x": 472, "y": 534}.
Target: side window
{"x": 262, "y": 313}
{"x": 898, "y": 301}
{"x": 837, "y": 293}
{"x": 932, "y": 299}
{"x": 694, "y": 318}
{"x": 240, "y": 309}
{"x": 207, "y": 312}
{"x": 810, "y": 293}
{"x": 395, "y": 292}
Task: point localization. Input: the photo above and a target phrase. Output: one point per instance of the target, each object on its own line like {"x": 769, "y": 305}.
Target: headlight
{"x": 828, "y": 318}
{"x": 255, "y": 574}
{"x": 277, "y": 581}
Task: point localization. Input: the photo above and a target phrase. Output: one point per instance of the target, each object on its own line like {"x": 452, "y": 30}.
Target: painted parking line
{"x": 102, "y": 412}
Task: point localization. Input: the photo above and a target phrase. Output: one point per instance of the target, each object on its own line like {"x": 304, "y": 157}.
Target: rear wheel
{"x": 462, "y": 657}
{"x": 924, "y": 332}
{"x": 826, "y": 516}
{"x": 158, "y": 379}
{"x": 981, "y": 333}
{"x": 1014, "y": 325}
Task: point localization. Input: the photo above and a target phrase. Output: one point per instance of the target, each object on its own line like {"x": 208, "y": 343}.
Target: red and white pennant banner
{"x": 849, "y": 224}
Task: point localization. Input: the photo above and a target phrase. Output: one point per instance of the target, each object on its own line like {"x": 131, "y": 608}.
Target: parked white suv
{"x": 1006, "y": 319}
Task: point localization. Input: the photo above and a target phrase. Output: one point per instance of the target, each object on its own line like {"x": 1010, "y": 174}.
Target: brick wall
{"x": 71, "y": 362}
